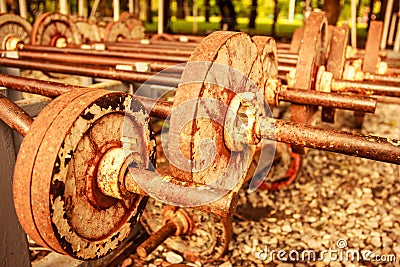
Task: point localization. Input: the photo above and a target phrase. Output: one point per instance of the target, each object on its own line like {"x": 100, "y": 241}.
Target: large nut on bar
{"x": 381, "y": 67}
{"x": 240, "y": 125}
{"x": 324, "y": 80}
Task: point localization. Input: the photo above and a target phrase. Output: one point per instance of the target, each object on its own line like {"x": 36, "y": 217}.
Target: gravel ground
{"x": 337, "y": 200}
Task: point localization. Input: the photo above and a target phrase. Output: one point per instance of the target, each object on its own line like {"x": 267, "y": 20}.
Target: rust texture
{"x": 111, "y": 74}
{"x": 330, "y": 100}
{"x": 368, "y": 88}
{"x": 158, "y": 109}
{"x": 50, "y": 26}
{"x": 121, "y": 54}
{"x": 372, "y": 46}
{"x": 335, "y": 62}
{"x": 14, "y": 116}
{"x": 33, "y": 86}
{"x": 156, "y": 239}
{"x": 364, "y": 146}
{"x": 312, "y": 54}
{"x": 90, "y": 59}
{"x": 297, "y": 37}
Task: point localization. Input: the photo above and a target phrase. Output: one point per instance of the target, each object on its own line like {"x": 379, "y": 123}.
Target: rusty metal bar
{"x": 150, "y": 50}
{"x": 365, "y": 88}
{"x": 47, "y": 49}
{"x": 112, "y": 74}
{"x": 287, "y": 61}
{"x": 383, "y": 78}
{"x": 365, "y": 146}
{"x": 156, "y": 239}
{"x": 372, "y": 147}
{"x": 91, "y": 60}
{"x": 162, "y": 109}
{"x": 33, "y": 86}
{"x": 14, "y": 116}
{"x": 161, "y": 42}
{"x": 157, "y": 108}
{"x": 331, "y": 100}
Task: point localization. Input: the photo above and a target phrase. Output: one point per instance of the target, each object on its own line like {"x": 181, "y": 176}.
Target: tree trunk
{"x": 253, "y": 14}
{"x": 180, "y": 10}
{"x": 276, "y": 13}
{"x": 381, "y": 15}
{"x": 207, "y": 10}
{"x": 228, "y": 14}
{"x": 332, "y": 9}
{"x": 167, "y": 16}
{"x": 149, "y": 13}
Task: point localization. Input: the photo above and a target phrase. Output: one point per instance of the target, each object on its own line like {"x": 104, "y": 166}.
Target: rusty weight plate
{"x": 335, "y": 62}
{"x": 134, "y": 24}
{"x": 12, "y": 25}
{"x": 88, "y": 30}
{"x": 237, "y": 53}
{"x": 68, "y": 211}
{"x": 372, "y": 46}
{"x": 50, "y": 27}
{"x": 268, "y": 53}
{"x": 297, "y": 37}
{"x": 25, "y": 162}
{"x": 208, "y": 237}
{"x": 115, "y": 31}
{"x": 312, "y": 54}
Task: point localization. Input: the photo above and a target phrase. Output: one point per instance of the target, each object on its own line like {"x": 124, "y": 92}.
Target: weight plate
{"x": 312, "y": 54}
{"x": 68, "y": 209}
{"x": 218, "y": 69}
{"x": 207, "y": 240}
{"x": 116, "y": 31}
{"x": 54, "y": 29}
{"x": 13, "y": 26}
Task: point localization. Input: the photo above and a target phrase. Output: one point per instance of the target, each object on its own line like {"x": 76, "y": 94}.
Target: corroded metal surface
{"x": 335, "y": 62}
{"x": 372, "y": 46}
{"x": 136, "y": 29}
{"x": 235, "y": 50}
{"x": 296, "y": 43}
{"x": 268, "y": 53}
{"x": 207, "y": 239}
{"x": 314, "y": 40}
{"x": 25, "y": 163}
{"x": 115, "y": 31}
{"x": 64, "y": 202}
{"x": 14, "y": 116}
{"x": 111, "y": 74}
{"x": 54, "y": 29}
{"x": 13, "y": 26}
{"x": 365, "y": 146}
{"x": 87, "y": 29}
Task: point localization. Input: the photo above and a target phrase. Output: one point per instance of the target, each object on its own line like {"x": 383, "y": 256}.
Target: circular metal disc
{"x": 88, "y": 30}
{"x": 26, "y": 160}
{"x": 268, "y": 53}
{"x": 13, "y": 26}
{"x": 116, "y": 30}
{"x": 207, "y": 240}
{"x": 51, "y": 26}
{"x": 238, "y": 54}
{"x": 134, "y": 24}
{"x": 312, "y": 54}
{"x": 66, "y": 213}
